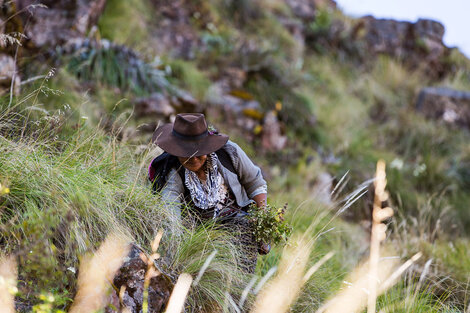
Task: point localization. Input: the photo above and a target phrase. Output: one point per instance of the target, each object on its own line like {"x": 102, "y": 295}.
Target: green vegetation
{"x": 126, "y": 22}
{"x": 68, "y": 189}
{"x": 70, "y": 174}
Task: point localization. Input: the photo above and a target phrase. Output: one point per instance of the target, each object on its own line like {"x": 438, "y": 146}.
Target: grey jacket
{"x": 248, "y": 183}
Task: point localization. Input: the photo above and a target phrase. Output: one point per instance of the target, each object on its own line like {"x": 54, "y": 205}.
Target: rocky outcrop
{"x": 41, "y": 25}
{"x": 239, "y": 111}
{"x": 451, "y": 106}
{"x": 418, "y": 44}
{"x": 128, "y": 292}
{"x": 306, "y": 9}
{"x": 55, "y": 22}
{"x": 245, "y": 115}
{"x": 303, "y": 9}
{"x": 175, "y": 33}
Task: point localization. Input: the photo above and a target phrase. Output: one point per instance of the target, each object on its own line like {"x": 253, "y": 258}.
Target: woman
{"x": 212, "y": 175}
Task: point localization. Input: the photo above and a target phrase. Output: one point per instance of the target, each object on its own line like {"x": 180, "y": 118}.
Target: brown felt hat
{"x": 188, "y": 136}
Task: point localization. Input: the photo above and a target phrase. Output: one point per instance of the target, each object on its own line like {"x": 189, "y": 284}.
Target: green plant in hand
{"x": 269, "y": 224}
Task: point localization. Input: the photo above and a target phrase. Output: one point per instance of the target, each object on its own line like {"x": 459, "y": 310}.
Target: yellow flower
{"x": 258, "y": 129}
{"x": 280, "y": 215}
{"x": 4, "y": 190}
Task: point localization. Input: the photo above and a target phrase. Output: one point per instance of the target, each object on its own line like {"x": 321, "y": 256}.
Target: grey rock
{"x": 450, "y": 105}
{"x": 322, "y": 188}
{"x": 183, "y": 101}
{"x": 416, "y": 44}
{"x": 130, "y": 278}
{"x": 304, "y": 9}
{"x": 175, "y": 33}
{"x": 7, "y": 72}
{"x": 155, "y": 105}
{"x": 60, "y": 21}
{"x": 272, "y": 139}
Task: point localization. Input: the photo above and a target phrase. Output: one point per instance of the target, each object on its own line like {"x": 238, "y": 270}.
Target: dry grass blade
{"x": 232, "y": 303}
{"x": 354, "y": 297}
{"x": 395, "y": 275}
{"x": 246, "y": 291}
{"x": 204, "y": 267}
{"x": 265, "y": 279}
{"x": 151, "y": 272}
{"x": 156, "y": 241}
{"x": 8, "y": 275}
{"x": 96, "y": 273}
{"x": 317, "y": 265}
{"x": 178, "y": 296}
{"x": 281, "y": 292}
{"x": 377, "y": 233}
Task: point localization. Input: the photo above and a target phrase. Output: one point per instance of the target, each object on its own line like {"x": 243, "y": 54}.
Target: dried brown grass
{"x": 378, "y": 234}
{"x": 284, "y": 288}
{"x": 376, "y": 276}
{"x": 178, "y": 296}
{"x": 97, "y": 272}
{"x": 8, "y": 276}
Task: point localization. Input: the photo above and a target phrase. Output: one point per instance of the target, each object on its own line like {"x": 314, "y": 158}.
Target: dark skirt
{"x": 240, "y": 227}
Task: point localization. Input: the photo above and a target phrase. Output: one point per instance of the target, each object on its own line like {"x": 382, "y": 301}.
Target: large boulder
{"x": 157, "y": 104}
{"x": 450, "y": 105}
{"x": 55, "y": 22}
{"x": 418, "y": 44}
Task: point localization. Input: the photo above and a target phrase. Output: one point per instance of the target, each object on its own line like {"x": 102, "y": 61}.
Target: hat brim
{"x": 179, "y": 147}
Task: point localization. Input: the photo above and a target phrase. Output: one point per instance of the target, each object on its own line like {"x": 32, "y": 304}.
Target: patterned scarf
{"x": 206, "y": 195}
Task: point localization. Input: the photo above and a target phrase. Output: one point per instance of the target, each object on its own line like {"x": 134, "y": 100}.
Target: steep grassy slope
{"x": 74, "y": 158}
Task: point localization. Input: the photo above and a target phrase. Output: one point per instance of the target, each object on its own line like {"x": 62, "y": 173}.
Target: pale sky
{"x": 454, "y": 14}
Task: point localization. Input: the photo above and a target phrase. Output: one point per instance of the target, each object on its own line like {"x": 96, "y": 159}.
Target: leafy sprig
{"x": 269, "y": 224}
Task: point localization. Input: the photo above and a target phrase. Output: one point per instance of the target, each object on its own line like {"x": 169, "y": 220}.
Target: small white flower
{"x": 397, "y": 163}
{"x": 72, "y": 269}
{"x": 211, "y": 27}
{"x": 419, "y": 169}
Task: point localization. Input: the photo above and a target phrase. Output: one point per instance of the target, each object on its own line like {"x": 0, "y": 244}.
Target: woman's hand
{"x": 264, "y": 248}
{"x": 261, "y": 200}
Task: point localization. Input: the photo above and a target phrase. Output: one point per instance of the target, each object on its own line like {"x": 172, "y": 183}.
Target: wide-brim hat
{"x": 188, "y": 136}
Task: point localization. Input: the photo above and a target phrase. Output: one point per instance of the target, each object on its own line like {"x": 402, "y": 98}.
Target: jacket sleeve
{"x": 248, "y": 173}
{"x": 173, "y": 193}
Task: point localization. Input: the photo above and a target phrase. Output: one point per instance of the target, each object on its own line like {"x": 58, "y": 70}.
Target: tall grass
{"x": 67, "y": 193}
{"x": 126, "y": 22}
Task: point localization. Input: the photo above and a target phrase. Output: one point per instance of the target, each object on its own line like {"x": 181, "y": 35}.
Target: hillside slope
{"x": 312, "y": 95}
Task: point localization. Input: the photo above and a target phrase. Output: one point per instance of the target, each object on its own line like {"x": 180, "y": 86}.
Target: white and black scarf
{"x": 206, "y": 195}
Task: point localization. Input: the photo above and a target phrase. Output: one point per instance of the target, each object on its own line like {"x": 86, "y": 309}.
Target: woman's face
{"x": 194, "y": 163}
